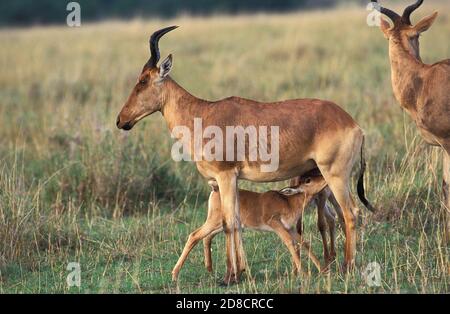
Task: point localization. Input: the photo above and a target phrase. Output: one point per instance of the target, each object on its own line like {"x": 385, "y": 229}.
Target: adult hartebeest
{"x": 422, "y": 90}
{"x": 312, "y": 133}
{"x": 276, "y": 211}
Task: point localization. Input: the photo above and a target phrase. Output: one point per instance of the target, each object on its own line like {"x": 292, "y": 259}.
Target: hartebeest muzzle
{"x": 124, "y": 125}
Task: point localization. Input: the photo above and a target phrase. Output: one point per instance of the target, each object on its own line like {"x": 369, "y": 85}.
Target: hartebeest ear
{"x": 385, "y": 27}
{"x": 425, "y": 23}
{"x": 291, "y": 191}
{"x": 165, "y": 67}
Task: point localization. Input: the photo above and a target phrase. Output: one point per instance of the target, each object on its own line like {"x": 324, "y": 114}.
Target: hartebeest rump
{"x": 423, "y": 90}
{"x": 276, "y": 211}
{"x": 312, "y": 133}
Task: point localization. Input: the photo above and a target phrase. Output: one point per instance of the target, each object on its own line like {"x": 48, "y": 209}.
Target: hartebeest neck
{"x": 406, "y": 76}
{"x": 298, "y": 202}
{"x": 179, "y": 107}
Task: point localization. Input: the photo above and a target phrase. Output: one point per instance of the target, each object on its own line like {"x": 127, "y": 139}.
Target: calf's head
{"x": 307, "y": 187}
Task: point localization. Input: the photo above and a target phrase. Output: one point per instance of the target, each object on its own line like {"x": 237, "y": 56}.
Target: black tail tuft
{"x": 360, "y": 186}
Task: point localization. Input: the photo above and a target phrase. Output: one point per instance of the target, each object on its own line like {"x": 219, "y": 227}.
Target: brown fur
{"x": 313, "y": 133}
{"x": 423, "y": 90}
{"x": 269, "y": 211}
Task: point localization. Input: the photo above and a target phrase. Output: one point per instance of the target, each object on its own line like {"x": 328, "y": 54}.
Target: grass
{"x": 73, "y": 188}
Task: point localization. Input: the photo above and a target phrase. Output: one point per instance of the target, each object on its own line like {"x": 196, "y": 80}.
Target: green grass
{"x": 73, "y": 188}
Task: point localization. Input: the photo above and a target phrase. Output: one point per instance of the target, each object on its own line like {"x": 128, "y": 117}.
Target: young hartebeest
{"x": 312, "y": 133}
{"x": 325, "y": 217}
{"x": 276, "y": 211}
{"x": 423, "y": 90}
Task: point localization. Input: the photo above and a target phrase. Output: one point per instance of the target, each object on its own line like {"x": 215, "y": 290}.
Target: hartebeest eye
{"x": 143, "y": 81}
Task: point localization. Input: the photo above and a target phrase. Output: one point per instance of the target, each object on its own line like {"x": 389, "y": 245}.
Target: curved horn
{"x": 389, "y": 13}
{"x": 410, "y": 9}
{"x": 154, "y": 49}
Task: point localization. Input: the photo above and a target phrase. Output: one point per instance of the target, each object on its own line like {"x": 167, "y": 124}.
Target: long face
{"x": 403, "y": 33}
{"x": 145, "y": 99}
{"x": 148, "y": 94}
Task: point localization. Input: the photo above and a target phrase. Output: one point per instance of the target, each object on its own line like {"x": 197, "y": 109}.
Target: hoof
{"x": 230, "y": 279}
{"x": 346, "y": 268}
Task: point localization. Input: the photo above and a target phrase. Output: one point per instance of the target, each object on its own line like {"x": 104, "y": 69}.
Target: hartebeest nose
{"x": 126, "y": 126}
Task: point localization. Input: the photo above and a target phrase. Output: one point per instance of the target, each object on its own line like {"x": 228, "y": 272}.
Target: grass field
{"x": 73, "y": 188}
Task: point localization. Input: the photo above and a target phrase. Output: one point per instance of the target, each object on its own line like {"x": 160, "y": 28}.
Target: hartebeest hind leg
{"x": 207, "y": 242}
{"x": 229, "y": 196}
{"x": 336, "y": 166}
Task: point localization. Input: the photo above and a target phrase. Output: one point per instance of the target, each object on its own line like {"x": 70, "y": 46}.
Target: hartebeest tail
{"x": 360, "y": 186}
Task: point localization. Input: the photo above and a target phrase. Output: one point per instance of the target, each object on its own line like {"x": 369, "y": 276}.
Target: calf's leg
{"x": 194, "y": 238}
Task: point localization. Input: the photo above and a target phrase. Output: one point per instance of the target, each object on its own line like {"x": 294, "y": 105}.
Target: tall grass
{"x": 74, "y": 188}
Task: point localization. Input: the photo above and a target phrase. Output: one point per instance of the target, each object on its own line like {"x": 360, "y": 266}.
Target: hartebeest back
{"x": 312, "y": 133}
{"x": 423, "y": 90}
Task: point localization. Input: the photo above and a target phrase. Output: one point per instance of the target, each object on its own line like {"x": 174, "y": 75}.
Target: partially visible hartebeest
{"x": 423, "y": 90}
{"x": 312, "y": 133}
{"x": 276, "y": 211}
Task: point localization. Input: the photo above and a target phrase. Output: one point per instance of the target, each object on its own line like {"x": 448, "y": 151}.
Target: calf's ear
{"x": 291, "y": 191}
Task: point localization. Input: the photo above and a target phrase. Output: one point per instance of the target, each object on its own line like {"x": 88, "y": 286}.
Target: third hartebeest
{"x": 423, "y": 90}
{"x": 312, "y": 133}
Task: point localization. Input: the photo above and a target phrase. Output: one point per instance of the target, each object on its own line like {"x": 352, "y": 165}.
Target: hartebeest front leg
{"x": 227, "y": 182}
{"x": 306, "y": 246}
{"x": 207, "y": 252}
{"x": 289, "y": 241}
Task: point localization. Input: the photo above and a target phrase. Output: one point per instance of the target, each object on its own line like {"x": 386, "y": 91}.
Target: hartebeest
{"x": 312, "y": 133}
{"x": 422, "y": 90}
{"x": 325, "y": 216}
{"x": 276, "y": 211}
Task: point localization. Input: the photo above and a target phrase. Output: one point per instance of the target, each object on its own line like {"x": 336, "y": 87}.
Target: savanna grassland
{"x": 73, "y": 188}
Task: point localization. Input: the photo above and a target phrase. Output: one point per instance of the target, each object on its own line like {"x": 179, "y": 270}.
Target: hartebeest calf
{"x": 312, "y": 133}
{"x": 276, "y": 211}
{"x": 423, "y": 90}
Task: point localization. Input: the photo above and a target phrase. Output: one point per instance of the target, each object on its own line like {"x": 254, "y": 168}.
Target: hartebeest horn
{"x": 154, "y": 49}
{"x": 389, "y": 13}
{"x": 410, "y": 9}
